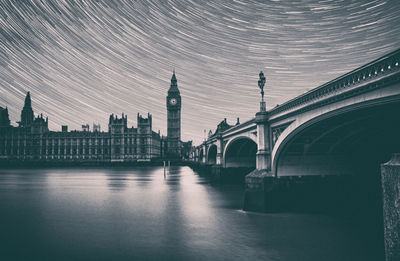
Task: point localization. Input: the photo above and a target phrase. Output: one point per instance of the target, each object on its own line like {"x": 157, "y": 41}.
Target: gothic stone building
{"x": 33, "y": 141}
{"x": 175, "y": 147}
{"x": 174, "y": 104}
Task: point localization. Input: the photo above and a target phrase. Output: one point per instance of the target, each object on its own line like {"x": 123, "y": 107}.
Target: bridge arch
{"x": 336, "y": 142}
{"x": 240, "y": 152}
{"x": 212, "y": 154}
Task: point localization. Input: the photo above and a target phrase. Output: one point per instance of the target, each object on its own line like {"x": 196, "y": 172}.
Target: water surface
{"x": 138, "y": 214}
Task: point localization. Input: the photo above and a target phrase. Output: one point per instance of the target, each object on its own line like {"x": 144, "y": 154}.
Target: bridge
{"x": 344, "y": 128}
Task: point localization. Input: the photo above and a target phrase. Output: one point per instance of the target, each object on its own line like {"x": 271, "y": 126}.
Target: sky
{"x": 83, "y": 60}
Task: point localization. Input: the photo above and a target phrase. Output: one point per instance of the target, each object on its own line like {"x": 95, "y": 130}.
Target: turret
{"x": 173, "y": 89}
{"x": 27, "y": 112}
{"x": 116, "y": 123}
{"x": 117, "y": 128}
{"x": 144, "y": 122}
{"x": 40, "y": 125}
{"x": 4, "y": 117}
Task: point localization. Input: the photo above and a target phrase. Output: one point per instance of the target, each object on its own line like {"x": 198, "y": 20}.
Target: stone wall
{"x": 390, "y": 172}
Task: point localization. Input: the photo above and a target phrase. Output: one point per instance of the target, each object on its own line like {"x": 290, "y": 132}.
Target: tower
{"x": 173, "y": 118}
{"x": 144, "y": 137}
{"x": 117, "y": 128}
{"x": 27, "y": 112}
{"x": 4, "y": 118}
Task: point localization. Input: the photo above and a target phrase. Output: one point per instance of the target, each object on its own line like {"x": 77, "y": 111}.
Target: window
{"x": 142, "y": 145}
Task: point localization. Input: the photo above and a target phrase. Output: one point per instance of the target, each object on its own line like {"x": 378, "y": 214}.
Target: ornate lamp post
{"x": 261, "y": 84}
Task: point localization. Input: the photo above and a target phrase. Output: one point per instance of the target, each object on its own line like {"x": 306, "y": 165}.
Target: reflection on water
{"x": 137, "y": 213}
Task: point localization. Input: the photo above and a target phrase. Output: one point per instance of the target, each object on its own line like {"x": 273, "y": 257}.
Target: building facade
{"x": 33, "y": 141}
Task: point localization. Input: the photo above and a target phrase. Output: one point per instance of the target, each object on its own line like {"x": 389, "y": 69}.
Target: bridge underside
{"x": 212, "y": 155}
{"x": 352, "y": 143}
{"x": 241, "y": 153}
{"x": 334, "y": 165}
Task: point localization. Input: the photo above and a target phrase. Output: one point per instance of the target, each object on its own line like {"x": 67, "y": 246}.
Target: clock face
{"x": 173, "y": 101}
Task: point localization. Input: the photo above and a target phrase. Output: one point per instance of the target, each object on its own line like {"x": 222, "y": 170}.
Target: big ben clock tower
{"x": 173, "y": 118}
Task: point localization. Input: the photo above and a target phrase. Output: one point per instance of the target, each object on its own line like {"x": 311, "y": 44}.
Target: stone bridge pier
{"x": 215, "y": 158}
{"x": 260, "y": 180}
{"x": 390, "y": 172}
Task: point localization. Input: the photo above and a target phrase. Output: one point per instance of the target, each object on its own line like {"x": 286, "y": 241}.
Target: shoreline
{"x": 87, "y": 164}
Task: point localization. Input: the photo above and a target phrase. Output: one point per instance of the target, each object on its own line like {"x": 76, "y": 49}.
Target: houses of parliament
{"x": 32, "y": 141}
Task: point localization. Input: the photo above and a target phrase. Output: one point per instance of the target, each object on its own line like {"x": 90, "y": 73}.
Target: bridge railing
{"x": 374, "y": 70}
{"x": 239, "y": 126}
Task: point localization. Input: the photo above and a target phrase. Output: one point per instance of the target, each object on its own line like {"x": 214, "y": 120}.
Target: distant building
{"x": 176, "y": 149}
{"x": 4, "y": 119}
{"x": 27, "y": 112}
{"x": 174, "y": 104}
{"x": 85, "y": 127}
{"x": 186, "y": 149}
{"x": 133, "y": 144}
{"x": 96, "y": 127}
{"x": 33, "y": 141}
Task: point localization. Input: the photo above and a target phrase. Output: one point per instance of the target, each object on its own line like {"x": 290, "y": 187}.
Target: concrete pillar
{"x": 263, "y": 160}
{"x": 390, "y": 173}
{"x": 217, "y": 169}
{"x": 219, "y": 151}
{"x": 204, "y": 148}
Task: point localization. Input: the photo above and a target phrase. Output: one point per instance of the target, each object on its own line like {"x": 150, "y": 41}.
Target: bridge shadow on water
{"x": 333, "y": 167}
{"x": 349, "y": 199}
{"x": 355, "y": 201}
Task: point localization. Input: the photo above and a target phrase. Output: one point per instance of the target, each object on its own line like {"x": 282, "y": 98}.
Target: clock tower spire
{"x": 174, "y": 119}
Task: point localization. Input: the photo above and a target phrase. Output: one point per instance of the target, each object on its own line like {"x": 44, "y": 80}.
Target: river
{"x": 138, "y": 214}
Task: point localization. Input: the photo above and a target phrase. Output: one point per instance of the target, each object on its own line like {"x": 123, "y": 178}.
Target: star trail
{"x": 83, "y": 60}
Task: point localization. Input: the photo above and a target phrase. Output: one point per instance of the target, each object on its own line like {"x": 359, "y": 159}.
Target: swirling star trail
{"x": 83, "y": 60}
